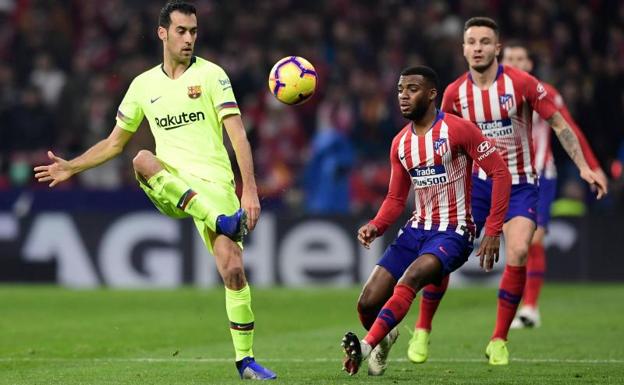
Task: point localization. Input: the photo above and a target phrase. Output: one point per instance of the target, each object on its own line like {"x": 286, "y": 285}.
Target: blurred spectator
{"x": 326, "y": 177}
{"x": 48, "y": 78}
{"x": 82, "y": 55}
{"x": 572, "y": 200}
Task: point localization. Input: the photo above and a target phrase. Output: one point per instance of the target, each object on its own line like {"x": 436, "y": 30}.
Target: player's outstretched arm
{"x": 60, "y": 169}
{"x": 249, "y": 200}
{"x": 590, "y": 157}
{"x": 571, "y": 144}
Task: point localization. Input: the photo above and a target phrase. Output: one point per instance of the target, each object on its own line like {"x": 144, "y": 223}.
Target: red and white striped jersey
{"x": 504, "y": 113}
{"x": 438, "y": 165}
{"x": 542, "y": 136}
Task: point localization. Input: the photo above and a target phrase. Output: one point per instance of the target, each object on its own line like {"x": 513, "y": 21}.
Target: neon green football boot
{"x": 418, "y": 348}
{"x": 497, "y": 352}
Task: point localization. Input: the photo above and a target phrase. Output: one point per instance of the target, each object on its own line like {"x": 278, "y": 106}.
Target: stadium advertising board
{"x": 141, "y": 249}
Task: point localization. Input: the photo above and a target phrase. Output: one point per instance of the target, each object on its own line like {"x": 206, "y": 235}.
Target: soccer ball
{"x": 292, "y": 80}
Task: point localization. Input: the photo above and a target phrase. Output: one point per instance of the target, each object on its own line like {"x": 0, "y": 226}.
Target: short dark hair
{"x": 164, "y": 19}
{"x": 424, "y": 71}
{"x": 481, "y": 21}
{"x": 516, "y": 44}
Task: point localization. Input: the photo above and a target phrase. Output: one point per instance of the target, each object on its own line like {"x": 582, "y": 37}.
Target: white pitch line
{"x": 295, "y": 360}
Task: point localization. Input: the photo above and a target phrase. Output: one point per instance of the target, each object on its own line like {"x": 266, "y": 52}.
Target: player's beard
{"x": 418, "y": 112}
{"x": 483, "y": 67}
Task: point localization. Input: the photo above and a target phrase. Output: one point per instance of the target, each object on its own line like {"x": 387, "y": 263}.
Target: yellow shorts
{"x": 221, "y": 196}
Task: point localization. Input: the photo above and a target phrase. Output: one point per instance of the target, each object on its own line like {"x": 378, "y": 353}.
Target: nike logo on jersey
{"x": 155, "y": 99}
{"x": 401, "y": 157}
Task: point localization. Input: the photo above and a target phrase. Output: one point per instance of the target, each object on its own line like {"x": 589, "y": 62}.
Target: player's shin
{"x": 431, "y": 297}
{"x": 536, "y": 267}
{"x": 509, "y": 295}
{"x": 391, "y": 314}
{"x": 177, "y": 191}
{"x": 238, "y": 307}
{"x": 367, "y": 316}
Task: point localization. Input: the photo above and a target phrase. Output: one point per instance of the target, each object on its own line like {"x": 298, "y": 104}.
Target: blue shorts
{"x": 451, "y": 248}
{"x": 522, "y": 203}
{"x": 547, "y": 192}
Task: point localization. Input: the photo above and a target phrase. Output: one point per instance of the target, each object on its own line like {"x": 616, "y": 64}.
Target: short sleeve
{"x": 223, "y": 99}
{"x": 130, "y": 112}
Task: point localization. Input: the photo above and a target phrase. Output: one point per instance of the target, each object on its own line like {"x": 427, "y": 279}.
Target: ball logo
{"x": 483, "y": 147}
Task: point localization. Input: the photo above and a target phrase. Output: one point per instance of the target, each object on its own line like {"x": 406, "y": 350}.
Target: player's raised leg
{"x": 424, "y": 270}
{"x": 229, "y": 260}
{"x": 518, "y": 234}
{"x": 175, "y": 190}
{"x": 377, "y": 289}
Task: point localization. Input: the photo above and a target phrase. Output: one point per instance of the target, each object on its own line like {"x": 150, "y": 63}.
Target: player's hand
{"x": 597, "y": 182}
{"x": 56, "y": 172}
{"x": 251, "y": 204}
{"x": 488, "y": 252}
{"x": 367, "y": 234}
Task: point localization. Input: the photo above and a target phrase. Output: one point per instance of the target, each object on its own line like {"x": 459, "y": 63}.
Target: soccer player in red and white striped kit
{"x": 434, "y": 154}
{"x": 501, "y": 100}
{"x": 516, "y": 54}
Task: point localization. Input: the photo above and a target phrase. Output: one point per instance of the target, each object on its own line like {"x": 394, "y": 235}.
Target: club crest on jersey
{"x": 506, "y": 102}
{"x": 194, "y": 92}
{"x": 440, "y": 146}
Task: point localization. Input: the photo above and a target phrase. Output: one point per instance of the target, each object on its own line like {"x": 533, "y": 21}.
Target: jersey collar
{"x": 193, "y": 60}
{"x": 439, "y": 116}
{"x": 499, "y": 72}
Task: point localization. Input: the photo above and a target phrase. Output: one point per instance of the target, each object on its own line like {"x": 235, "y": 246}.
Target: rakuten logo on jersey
{"x": 485, "y": 148}
{"x": 170, "y": 122}
{"x": 428, "y": 175}
{"x": 496, "y": 128}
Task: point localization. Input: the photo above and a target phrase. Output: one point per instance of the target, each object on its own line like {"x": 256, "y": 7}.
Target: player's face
{"x": 415, "y": 95}
{"x": 517, "y": 57}
{"x": 180, "y": 37}
{"x": 481, "y": 47}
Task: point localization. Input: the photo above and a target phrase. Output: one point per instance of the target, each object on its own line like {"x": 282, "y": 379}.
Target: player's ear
{"x": 433, "y": 94}
{"x": 162, "y": 33}
{"x": 498, "y": 49}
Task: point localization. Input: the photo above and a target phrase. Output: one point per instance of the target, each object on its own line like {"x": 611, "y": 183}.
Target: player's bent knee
{"x": 234, "y": 277}
{"x": 146, "y": 164}
{"x": 516, "y": 255}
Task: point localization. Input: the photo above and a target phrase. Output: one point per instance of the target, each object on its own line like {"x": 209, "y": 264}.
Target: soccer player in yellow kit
{"x": 187, "y": 100}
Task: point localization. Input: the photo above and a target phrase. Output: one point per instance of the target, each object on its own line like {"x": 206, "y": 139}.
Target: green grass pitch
{"x": 51, "y": 335}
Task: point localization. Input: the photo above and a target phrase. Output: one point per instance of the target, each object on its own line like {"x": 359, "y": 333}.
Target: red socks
{"x": 391, "y": 314}
{"x": 509, "y": 295}
{"x": 431, "y": 297}
{"x": 536, "y": 266}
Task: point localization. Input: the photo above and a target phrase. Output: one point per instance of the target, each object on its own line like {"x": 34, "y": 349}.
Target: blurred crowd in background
{"x": 65, "y": 66}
